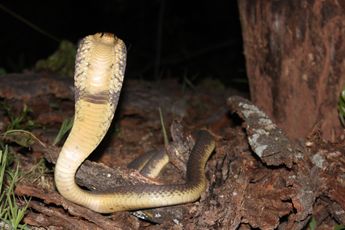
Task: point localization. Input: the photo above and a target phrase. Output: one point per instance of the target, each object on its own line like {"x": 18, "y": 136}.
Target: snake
{"x": 99, "y": 72}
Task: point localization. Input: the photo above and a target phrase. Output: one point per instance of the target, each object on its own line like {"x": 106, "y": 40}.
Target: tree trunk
{"x": 294, "y": 53}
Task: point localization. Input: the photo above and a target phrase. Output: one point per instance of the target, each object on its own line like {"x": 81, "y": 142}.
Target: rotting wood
{"x": 73, "y": 209}
{"x": 244, "y": 189}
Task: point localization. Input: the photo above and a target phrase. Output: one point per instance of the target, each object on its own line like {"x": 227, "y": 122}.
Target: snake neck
{"x": 90, "y": 125}
{"x": 99, "y": 71}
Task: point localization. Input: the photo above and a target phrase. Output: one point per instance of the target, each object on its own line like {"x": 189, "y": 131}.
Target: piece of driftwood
{"x": 97, "y": 176}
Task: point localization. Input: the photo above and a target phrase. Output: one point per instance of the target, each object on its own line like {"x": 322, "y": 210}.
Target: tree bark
{"x": 294, "y": 53}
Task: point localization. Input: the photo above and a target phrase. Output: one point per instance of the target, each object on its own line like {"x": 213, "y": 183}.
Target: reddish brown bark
{"x": 294, "y": 54}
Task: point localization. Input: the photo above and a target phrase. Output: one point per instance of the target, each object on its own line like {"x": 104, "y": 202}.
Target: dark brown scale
{"x": 99, "y": 98}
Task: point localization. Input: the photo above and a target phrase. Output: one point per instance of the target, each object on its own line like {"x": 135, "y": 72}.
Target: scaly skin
{"x": 100, "y": 66}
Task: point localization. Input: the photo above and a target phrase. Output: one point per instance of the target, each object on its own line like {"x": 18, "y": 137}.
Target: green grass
{"x": 341, "y": 107}
{"x": 165, "y": 135}
{"x": 313, "y": 225}
{"x": 18, "y": 121}
{"x": 11, "y": 213}
{"x": 65, "y": 127}
{"x": 21, "y": 137}
{"x": 339, "y": 227}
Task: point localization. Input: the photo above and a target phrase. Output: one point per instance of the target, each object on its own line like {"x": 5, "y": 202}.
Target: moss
{"x": 61, "y": 61}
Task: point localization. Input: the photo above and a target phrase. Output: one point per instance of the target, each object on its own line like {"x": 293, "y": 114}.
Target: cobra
{"x": 99, "y": 72}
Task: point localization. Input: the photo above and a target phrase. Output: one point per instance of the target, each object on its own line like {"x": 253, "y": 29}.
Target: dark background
{"x": 199, "y": 39}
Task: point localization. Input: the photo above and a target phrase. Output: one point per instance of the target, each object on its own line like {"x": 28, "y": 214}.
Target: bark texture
{"x": 294, "y": 53}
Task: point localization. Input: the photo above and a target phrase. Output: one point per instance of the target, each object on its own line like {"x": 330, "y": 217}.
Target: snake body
{"x": 99, "y": 71}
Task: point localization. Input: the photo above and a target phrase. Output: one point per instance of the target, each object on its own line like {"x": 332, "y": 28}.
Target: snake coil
{"x": 99, "y": 72}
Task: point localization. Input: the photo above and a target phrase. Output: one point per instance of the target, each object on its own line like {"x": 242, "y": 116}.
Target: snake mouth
{"x": 105, "y": 37}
